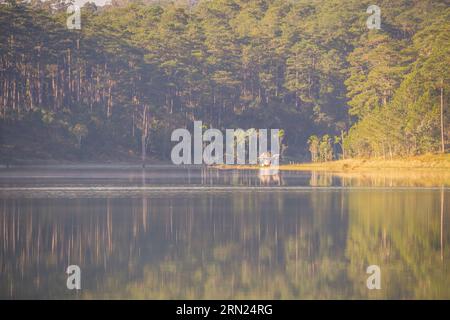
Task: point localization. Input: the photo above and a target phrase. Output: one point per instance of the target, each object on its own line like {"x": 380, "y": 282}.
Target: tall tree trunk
{"x": 109, "y": 106}
{"x": 144, "y": 134}
{"x": 79, "y": 71}
{"x": 442, "y": 117}
{"x": 69, "y": 72}
{"x": 442, "y": 223}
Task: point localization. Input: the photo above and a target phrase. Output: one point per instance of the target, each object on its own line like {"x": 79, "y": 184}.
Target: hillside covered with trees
{"x": 134, "y": 72}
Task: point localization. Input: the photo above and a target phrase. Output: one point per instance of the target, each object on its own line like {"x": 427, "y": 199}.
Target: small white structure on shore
{"x": 268, "y": 171}
{"x": 267, "y": 159}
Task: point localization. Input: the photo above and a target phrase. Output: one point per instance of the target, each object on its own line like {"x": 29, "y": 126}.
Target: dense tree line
{"x": 136, "y": 71}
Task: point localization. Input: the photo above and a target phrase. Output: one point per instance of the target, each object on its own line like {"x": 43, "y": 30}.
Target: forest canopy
{"x": 136, "y": 71}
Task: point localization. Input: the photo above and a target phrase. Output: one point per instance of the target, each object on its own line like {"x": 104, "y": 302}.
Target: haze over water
{"x": 173, "y": 232}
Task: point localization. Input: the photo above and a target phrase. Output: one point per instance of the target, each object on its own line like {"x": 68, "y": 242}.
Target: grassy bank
{"x": 427, "y": 170}
{"x": 425, "y": 162}
{"x": 429, "y": 162}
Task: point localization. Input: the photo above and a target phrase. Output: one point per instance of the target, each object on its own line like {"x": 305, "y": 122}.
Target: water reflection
{"x": 313, "y": 243}
{"x": 270, "y": 176}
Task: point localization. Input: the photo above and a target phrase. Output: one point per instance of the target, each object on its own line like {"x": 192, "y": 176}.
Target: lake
{"x": 200, "y": 233}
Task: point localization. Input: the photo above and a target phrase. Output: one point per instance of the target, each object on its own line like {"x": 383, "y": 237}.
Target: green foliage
{"x": 314, "y": 143}
{"x": 400, "y": 111}
{"x": 144, "y": 69}
{"x": 80, "y": 131}
{"x": 321, "y": 149}
{"x": 326, "y": 149}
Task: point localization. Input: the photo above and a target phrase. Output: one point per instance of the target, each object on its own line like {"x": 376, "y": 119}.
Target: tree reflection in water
{"x": 306, "y": 243}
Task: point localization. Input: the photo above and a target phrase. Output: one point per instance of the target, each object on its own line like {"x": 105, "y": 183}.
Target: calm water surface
{"x": 166, "y": 232}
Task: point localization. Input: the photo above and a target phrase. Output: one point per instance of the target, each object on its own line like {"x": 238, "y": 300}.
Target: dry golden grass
{"x": 427, "y": 162}
{"x": 434, "y": 162}
{"x": 425, "y": 170}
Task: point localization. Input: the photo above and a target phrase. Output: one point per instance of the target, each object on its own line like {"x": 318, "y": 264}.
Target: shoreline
{"x": 425, "y": 163}
{"x": 436, "y": 163}
{"x": 426, "y": 170}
